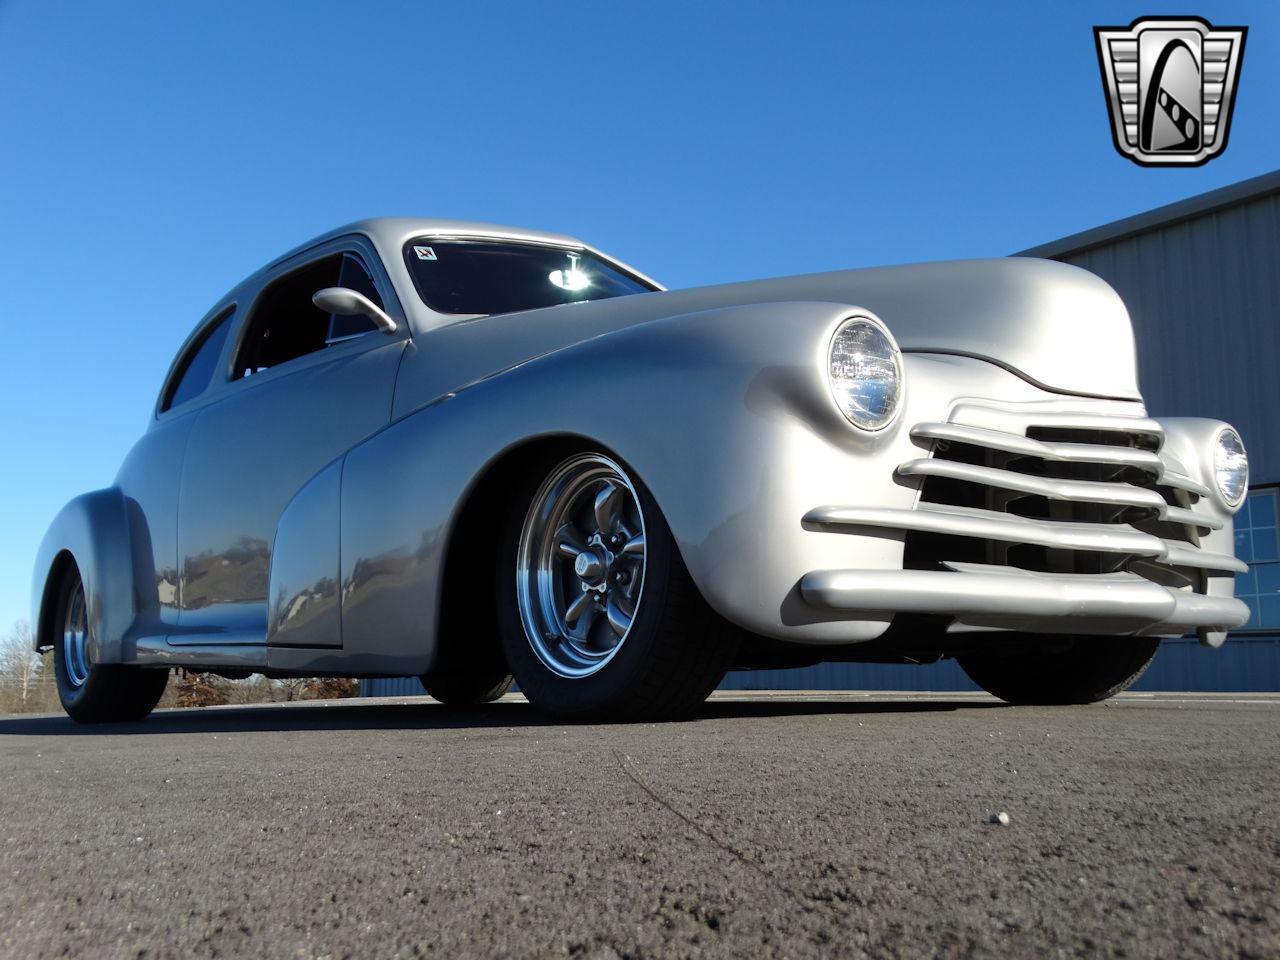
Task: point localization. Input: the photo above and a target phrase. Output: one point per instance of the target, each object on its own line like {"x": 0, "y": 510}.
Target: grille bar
{"x": 1170, "y": 479}
{"x": 992, "y": 525}
{"x": 1017, "y": 419}
{"x": 1191, "y": 518}
{"x": 1089, "y": 491}
{"x": 1120, "y": 538}
{"x": 1086, "y": 491}
{"x": 1185, "y": 555}
{"x": 1025, "y": 446}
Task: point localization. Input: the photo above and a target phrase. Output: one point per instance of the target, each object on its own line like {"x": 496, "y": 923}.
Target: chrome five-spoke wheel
{"x": 598, "y": 616}
{"x": 580, "y": 565}
{"x": 94, "y": 692}
{"x": 75, "y": 638}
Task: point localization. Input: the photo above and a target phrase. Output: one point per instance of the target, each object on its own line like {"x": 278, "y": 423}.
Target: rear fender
{"x": 103, "y": 534}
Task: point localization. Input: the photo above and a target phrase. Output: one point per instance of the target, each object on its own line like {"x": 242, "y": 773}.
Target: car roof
{"x": 389, "y": 235}
{"x": 392, "y": 232}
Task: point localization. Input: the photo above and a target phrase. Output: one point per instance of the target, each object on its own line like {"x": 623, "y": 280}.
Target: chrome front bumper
{"x": 1012, "y": 520}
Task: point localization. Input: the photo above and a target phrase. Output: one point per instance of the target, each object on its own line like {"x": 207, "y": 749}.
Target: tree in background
{"x": 198, "y": 690}
{"x": 22, "y": 670}
{"x": 332, "y": 688}
{"x": 192, "y": 689}
{"x": 293, "y": 688}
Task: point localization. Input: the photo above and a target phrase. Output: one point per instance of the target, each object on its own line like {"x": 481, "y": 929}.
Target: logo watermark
{"x": 1170, "y": 85}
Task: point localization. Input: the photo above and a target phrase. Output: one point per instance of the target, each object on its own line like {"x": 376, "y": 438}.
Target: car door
{"x": 150, "y": 476}
{"x": 302, "y": 389}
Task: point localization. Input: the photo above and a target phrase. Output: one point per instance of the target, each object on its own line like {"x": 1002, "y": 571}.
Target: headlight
{"x": 865, "y": 370}
{"x": 1231, "y": 466}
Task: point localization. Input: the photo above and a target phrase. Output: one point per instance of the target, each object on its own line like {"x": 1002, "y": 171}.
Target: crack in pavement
{"x": 634, "y": 776}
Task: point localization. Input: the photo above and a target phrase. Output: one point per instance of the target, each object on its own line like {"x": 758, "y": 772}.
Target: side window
{"x": 286, "y": 325}
{"x": 196, "y": 369}
{"x": 355, "y": 277}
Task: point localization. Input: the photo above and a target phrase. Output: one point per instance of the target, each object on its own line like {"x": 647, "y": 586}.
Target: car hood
{"x": 1056, "y": 325}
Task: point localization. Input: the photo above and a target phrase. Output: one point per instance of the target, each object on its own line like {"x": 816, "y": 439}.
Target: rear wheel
{"x": 1061, "y": 670}
{"x": 467, "y": 688}
{"x": 599, "y": 617}
{"x": 95, "y": 692}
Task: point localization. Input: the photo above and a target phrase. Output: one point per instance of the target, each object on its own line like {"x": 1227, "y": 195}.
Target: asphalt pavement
{"x": 789, "y": 826}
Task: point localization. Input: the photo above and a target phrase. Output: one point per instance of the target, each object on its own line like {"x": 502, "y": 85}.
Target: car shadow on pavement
{"x": 428, "y": 715}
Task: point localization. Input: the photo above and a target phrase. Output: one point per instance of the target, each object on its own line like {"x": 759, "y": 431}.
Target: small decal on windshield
{"x": 425, "y": 253}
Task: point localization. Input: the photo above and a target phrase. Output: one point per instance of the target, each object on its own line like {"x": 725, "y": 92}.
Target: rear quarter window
{"x": 196, "y": 368}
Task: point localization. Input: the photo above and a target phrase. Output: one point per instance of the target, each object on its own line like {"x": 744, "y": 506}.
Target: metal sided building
{"x": 1201, "y": 280}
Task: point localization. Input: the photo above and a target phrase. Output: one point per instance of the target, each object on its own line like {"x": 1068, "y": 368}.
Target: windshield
{"x": 501, "y": 276}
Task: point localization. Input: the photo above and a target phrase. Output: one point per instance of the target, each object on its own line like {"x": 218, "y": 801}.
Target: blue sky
{"x": 154, "y": 153}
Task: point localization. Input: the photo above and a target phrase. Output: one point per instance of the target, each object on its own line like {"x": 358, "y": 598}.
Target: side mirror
{"x": 349, "y": 303}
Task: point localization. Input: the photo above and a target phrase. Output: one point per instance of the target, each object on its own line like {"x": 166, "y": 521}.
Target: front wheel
{"x": 1060, "y": 670}
{"x": 599, "y": 617}
{"x": 96, "y": 692}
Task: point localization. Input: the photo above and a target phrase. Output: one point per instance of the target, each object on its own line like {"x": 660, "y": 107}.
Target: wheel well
{"x": 62, "y": 564}
{"x": 469, "y": 583}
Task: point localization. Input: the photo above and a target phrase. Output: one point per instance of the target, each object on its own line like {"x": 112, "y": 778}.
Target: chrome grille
{"x": 1075, "y": 495}
{"x": 1039, "y": 518}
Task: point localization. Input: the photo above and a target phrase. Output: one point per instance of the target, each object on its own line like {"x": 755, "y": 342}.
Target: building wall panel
{"x": 1204, "y": 295}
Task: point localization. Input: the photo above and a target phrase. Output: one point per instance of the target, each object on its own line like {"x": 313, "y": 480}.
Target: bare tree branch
{"x": 20, "y": 666}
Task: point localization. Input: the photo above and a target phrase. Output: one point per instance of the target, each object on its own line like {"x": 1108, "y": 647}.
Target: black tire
{"x": 1060, "y": 670}
{"x": 674, "y": 655}
{"x": 467, "y": 689}
{"x": 108, "y": 693}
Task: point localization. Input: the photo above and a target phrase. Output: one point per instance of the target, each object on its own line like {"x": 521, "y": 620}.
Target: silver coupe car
{"x": 470, "y": 453}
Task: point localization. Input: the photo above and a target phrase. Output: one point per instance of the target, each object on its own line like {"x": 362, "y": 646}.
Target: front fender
{"x": 725, "y": 416}
{"x": 95, "y": 532}
{"x": 1189, "y": 445}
